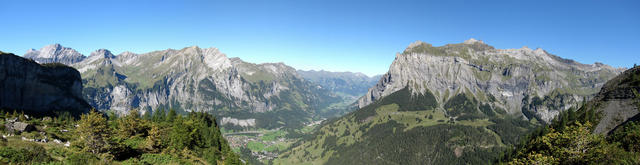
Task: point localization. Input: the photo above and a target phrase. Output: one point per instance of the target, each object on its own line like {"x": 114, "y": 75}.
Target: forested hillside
{"x": 97, "y": 138}
{"x": 411, "y": 129}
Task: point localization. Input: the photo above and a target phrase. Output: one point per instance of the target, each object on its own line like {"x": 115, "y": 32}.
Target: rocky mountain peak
{"x": 127, "y": 53}
{"x": 418, "y": 44}
{"x": 52, "y": 47}
{"x": 48, "y": 51}
{"x": 526, "y": 48}
{"x": 509, "y": 75}
{"x": 192, "y": 50}
{"x": 472, "y": 41}
{"x": 540, "y": 51}
{"x": 127, "y": 57}
{"x": 54, "y": 53}
{"x": 215, "y": 59}
{"x": 103, "y": 53}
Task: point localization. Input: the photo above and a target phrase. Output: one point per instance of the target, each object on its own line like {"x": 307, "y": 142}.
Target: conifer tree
{"x": 147, "y": 115}
{"x": 172, "y": 115}
{"x": 93, "y": 133}
{"x": 21, "y": 117}
{"x": 15, "y": 114}
{"x": 131, "y": 124}
{"x": 155, "y": 140}
{"x": 159, "y": 115}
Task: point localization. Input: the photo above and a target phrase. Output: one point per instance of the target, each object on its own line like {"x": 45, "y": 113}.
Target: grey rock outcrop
{"x": 39, "y": 89}
{"x": 55, "y": 53}
{"x": 523, "y": 80}
{"x": 13, "y": 126}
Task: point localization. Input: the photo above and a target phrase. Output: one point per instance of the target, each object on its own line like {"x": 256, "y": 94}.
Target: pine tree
{"x": 111, "y": 115}
{"x": 134, "y": 113}
{"x": 155, "y": 141}
{"x": 232, "y": 159}
{"x": 564, "y": 121}
{"x": 147, "y": 115}
{"x": 131, "y": 125}
{"x": 172, "y": 115}
{"x": 179, "y": 136}
{"x": 93, "y": 133}
{"x": 159, "y": 115}
{"x": 15, "y": 114}
{"x": 572, "y": 114}
{"x": 22, "y": 117}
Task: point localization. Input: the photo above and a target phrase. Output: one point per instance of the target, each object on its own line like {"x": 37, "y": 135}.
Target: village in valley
{"x": 265, "y": 145}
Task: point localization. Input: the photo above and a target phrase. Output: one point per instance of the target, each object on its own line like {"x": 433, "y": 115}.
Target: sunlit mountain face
{"x": 455, "y": 104}
{"x": 319, "y": 82}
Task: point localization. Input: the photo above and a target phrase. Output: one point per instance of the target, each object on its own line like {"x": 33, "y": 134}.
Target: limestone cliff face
{"x": 196, "y": 79}
{"x": 55, "y": 53}
{"x": 39, "y": 89}
{"x": 523, "y": 80}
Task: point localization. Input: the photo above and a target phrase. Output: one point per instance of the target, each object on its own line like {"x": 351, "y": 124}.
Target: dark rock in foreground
{"x": 39, "y": 89}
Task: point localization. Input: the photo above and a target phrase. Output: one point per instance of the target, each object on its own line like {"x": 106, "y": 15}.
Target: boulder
{"x": 17, "y": 127}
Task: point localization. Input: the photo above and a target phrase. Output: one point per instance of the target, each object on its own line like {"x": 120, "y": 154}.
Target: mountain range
{"x": 453, "y": 104}
{"x": 460, "y": 103}
{"x": 267, "y": 95}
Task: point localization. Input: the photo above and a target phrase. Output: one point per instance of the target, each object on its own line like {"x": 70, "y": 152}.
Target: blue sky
{"x": 359, "y": 36}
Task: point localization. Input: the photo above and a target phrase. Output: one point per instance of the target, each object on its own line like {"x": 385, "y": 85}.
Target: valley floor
{"x": 261, "y": 146}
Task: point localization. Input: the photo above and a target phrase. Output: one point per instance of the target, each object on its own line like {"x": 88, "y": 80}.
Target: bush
{"x": 58, "y": 152}
{"x": 136, "y": 142}
{"x": 628, "y": 136}
{"x": 24, "y": 152}
{"x": 160, "y": 159}
{"x": 82, "y": 158}
{"x": 3, "y": 141}
{"x": 9, "y": 155}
